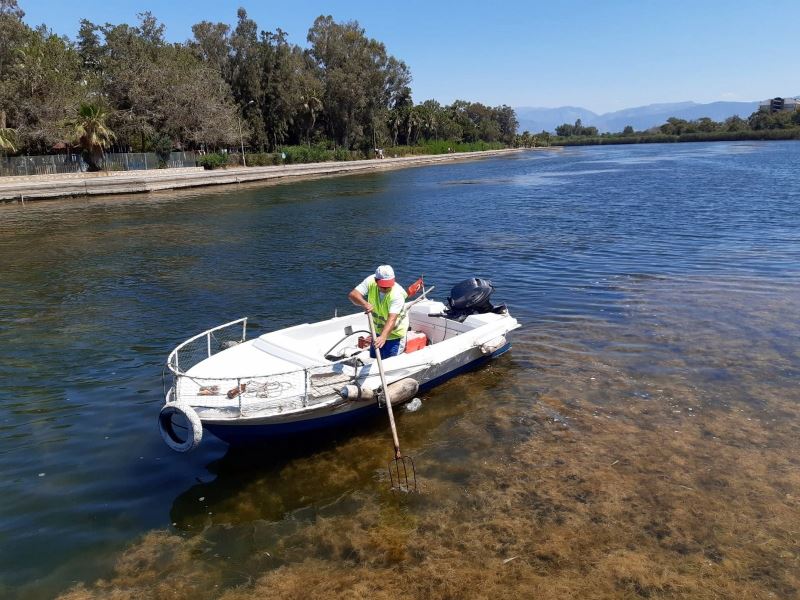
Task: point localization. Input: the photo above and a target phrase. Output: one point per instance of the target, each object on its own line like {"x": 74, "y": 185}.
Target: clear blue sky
{"x": 602, "y": 56}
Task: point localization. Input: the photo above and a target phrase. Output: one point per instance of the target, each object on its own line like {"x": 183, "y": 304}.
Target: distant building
{"x": 779, "y": 104}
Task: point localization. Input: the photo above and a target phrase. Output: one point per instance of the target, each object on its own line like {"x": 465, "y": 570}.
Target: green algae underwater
{"x": 652, "y": 457}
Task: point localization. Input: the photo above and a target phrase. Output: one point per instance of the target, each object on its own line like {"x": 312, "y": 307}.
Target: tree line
{"x": 567, "y": 130}
{"x": 759, "y": 125}
{"x": 125, "y": 85}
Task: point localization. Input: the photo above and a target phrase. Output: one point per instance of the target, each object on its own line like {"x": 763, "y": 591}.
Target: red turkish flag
{"x": 415, "y": 287}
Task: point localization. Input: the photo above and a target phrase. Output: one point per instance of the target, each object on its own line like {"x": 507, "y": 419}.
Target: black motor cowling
{"x": 470, "y": 297}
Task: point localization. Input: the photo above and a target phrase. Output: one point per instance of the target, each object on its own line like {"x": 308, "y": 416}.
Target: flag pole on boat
{"x": 399, "y": 466}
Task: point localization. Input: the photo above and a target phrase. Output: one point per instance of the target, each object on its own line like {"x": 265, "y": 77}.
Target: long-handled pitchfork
{"x": 400, "y": 467}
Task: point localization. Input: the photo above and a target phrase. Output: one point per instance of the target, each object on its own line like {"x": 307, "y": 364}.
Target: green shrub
{"x": 162, "y": 146}
{"x": 342, "y": 154}
{"x": 213, "y": 161}
{"x": 307, "y": 154}
{"x": 260, "y": 159}
{"x": 321, "y": 152}
{"x": 441, "y": 147}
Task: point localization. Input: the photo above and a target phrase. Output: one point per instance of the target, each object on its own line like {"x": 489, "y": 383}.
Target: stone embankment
{"x": 129, "y": 182}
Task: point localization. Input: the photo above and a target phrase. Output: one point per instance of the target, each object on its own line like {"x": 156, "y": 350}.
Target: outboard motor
{"x": 471, "y": 297}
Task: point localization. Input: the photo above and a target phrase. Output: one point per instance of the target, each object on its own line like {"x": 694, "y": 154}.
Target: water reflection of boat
{"x": 315, "y": 376}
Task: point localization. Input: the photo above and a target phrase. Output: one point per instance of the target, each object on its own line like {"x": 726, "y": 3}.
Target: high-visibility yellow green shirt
{"x": 380, "y": 308}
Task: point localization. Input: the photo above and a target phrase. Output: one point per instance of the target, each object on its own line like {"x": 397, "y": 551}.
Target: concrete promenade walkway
{"x": 128, "y": 182}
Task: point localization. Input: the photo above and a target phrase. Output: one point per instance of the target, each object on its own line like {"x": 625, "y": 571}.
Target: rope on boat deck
{"x": 272, "y": 389}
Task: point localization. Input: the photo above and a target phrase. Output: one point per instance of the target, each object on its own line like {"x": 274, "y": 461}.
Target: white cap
{"x": 384, "y": 276}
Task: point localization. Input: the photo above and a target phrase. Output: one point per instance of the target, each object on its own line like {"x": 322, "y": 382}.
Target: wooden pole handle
{"x": 385, "y": 388}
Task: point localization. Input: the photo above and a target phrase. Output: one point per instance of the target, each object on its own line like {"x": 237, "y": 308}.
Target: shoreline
{"x": 40, "y": 187}
{"x": 783, "y": 135}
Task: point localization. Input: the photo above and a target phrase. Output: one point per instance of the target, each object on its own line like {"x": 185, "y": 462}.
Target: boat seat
{"x": 288, "y": 349}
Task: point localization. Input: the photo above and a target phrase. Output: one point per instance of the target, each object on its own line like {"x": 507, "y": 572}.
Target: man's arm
{"x": 359, "y": 300}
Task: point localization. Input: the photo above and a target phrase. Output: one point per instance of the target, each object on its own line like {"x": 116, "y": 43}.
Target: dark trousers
{"x": 390, "y": 348}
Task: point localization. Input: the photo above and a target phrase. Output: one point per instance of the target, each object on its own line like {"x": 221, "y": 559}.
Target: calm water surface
{"x": 641, "y": 439}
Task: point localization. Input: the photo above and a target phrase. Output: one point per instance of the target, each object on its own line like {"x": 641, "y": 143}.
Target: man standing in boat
{"x": 384, "y": 298}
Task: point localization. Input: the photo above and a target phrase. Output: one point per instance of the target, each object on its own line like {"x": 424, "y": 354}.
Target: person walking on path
{"x": 381, "y": 295}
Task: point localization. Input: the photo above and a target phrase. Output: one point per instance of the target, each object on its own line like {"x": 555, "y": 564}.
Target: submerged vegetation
{"x": 226, "y": 87}
{"x": 667, "y": 474}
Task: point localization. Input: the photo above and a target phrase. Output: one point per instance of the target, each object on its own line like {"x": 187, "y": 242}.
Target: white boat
{"x": 315, "y": 376}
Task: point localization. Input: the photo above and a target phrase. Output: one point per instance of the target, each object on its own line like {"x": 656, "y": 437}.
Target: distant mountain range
{"x": 640, "y": 118}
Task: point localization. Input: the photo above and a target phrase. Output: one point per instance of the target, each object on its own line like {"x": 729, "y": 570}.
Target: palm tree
{"x": 413, "y": 123}
{"x": 90, "y": 131}
{"x": 395, "y": 121}
{"x": 7, "y": 139}
{"x": 311, "y": 106}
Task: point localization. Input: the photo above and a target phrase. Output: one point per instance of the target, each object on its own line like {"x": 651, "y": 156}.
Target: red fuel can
{"x": 415, "y": 340}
